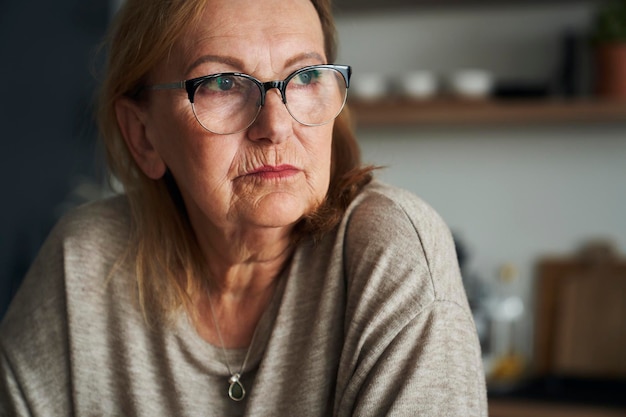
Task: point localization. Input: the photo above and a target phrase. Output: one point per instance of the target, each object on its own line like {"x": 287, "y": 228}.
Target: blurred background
{"x": 510, "y": 120}
{"x": 508, "y": 117}
{"x": 48, "y": 158}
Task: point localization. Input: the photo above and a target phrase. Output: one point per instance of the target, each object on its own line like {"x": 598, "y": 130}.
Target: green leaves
{"x": 610, "y": 23}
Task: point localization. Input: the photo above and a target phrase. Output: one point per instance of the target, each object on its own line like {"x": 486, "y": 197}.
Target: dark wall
{"x": 48, "y": 137}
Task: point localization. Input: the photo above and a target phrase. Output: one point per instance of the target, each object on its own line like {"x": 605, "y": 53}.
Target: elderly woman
{"x": 251, "y": 267}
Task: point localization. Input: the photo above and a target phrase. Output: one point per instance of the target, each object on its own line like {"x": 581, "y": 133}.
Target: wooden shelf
{"x": 447, "y": 112}
{"x": 381, "y": 5}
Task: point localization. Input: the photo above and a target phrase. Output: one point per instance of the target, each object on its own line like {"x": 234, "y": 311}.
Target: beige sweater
{"x": 371, "y": 321}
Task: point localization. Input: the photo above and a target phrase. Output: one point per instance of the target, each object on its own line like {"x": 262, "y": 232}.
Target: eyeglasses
{"x": 230, "y": 102}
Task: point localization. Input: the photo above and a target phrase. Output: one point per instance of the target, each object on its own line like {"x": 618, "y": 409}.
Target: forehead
{"x": 254, "y": 32}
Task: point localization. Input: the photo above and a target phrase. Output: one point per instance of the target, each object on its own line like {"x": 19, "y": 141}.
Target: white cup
{"x": 368, "y": 86}
{"x": 472, "y": 83}
{"x": 419, "y": 84}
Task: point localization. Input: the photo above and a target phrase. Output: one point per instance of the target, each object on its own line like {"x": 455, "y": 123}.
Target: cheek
{"x": 326, "y": 145}
{"x": 174, "y": 130}
{"x": 177, "y": 119}
{"x": 320, "y": 149}
{"x": 201, "y": 161}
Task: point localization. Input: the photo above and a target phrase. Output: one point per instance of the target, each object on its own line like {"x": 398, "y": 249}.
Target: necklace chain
{"x": 236, "y": 390}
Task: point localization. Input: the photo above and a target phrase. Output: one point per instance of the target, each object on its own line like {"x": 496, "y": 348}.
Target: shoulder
{"x": 383, "y": 216}
{"x": 404, "y": 293}
{"x": 395, "y": 241}
{"x": 93, "y": 232}
{"x": 102, "y": 217}
{"x": 64, "y": 283}
{"x": 87, "y": 238}
{"x": 390, "y": 210}
{"x": 82, "y": 246}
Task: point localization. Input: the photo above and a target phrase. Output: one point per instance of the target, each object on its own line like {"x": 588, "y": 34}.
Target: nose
{"x": 274, "y": 123}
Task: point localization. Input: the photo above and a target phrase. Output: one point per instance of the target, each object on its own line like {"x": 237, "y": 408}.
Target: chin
{"x": 282, "y": 212}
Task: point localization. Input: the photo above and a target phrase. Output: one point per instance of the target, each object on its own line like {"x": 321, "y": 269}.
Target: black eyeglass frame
{"x": 191, "y": 85}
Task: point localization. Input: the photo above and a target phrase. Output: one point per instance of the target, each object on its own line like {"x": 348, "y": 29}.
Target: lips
{"x": 279, "y": 171}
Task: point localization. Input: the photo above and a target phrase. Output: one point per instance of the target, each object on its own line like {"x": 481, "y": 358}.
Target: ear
{"x": 131, "y": 120}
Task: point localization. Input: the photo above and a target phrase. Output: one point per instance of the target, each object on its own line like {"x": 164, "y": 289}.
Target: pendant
{"x": 236, "y": 391}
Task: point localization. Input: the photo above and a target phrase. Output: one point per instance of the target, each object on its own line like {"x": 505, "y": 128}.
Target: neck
{"x": 242, "y": 265}
{"x": 244, "y": 270}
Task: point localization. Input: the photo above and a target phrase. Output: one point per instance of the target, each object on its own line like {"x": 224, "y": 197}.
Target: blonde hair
{"x": 164, "y": 249}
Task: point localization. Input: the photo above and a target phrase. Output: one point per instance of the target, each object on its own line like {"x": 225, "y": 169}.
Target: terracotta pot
{"x": 611, "y": 70}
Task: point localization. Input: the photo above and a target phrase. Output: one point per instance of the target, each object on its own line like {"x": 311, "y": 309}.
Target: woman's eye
{"x": 224, "y": 83}
{"x": 307, "y": 77}
{"x": 219, "y": 84}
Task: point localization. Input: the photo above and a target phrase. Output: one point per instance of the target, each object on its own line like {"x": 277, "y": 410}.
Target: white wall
{"x": 511, "y": 194}
{"x": 513, "y": 42}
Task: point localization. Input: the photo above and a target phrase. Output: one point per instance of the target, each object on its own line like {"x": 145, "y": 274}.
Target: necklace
{"x": 236, "y": 390}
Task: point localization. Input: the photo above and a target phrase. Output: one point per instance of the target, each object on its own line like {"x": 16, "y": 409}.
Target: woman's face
{"x": 277, "y": 170}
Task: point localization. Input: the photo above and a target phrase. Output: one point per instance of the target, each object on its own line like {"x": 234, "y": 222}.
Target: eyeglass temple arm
{"x": 170, "y": 86}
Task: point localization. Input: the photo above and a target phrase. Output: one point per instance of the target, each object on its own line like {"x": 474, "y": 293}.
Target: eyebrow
{"x": 231, "y": 61}
{"x": 305, "y": 56}
{"x": 237, "y": 63}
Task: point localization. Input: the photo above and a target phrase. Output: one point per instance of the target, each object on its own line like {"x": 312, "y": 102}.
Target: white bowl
{"x": 419, "y": 84}
{"x": 472, "y": 83}
{"x": 368, "y": 86}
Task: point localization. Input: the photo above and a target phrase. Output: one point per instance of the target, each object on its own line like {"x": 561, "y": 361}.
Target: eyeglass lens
{"x": 226, "y": 104}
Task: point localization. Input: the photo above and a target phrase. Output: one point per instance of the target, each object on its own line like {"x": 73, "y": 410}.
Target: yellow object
{"x": 509, "y": 367}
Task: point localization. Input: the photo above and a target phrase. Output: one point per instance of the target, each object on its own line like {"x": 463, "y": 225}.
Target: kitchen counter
{"x": 555, "y": 397}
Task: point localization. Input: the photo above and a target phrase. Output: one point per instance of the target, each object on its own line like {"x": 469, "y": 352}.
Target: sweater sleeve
{"x": 34, "y": 365}
{"x": 411, "y": 345}
{"x": 12, "y": 401}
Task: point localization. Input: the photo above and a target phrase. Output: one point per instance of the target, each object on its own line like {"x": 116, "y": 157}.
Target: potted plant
{"x": 609, "y": 39}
